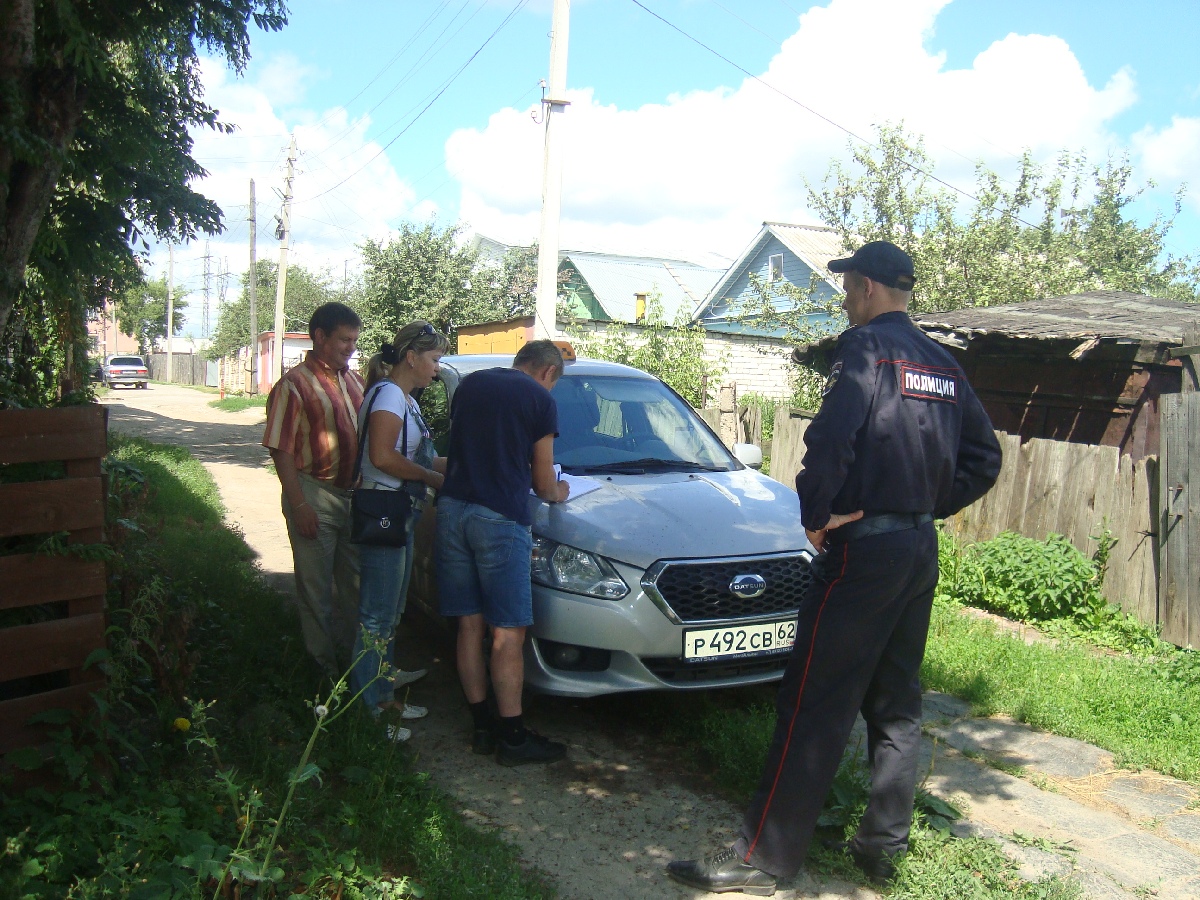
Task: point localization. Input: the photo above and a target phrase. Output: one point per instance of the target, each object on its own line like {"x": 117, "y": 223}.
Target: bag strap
{"x": 367, "y": 424}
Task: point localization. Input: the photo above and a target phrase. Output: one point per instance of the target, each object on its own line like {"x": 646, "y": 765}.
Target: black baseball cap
{"x": 880, "y": 261}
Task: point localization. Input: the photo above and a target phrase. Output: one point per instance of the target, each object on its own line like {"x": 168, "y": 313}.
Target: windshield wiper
{"x": 638, "y": 465}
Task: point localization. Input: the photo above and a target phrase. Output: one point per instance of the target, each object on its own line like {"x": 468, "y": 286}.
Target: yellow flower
{"x": 181, "y": 724}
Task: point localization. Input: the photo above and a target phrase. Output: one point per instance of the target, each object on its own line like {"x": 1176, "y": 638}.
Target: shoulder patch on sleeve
{"x": 834, "y": 374}
{"x": 928, "y": 383}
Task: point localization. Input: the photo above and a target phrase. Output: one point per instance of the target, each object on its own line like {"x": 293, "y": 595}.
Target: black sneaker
{"x": 483, "y": 741}
{"x": 534, "y": 749}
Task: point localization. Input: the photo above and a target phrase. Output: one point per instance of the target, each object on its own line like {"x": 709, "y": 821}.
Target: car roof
{"x": 467, "y": 363}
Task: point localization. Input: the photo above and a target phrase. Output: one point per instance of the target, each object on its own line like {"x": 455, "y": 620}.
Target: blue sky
{"x": 672, "y": 150}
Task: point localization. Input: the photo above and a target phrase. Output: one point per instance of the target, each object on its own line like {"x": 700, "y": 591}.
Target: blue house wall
{"x": 739, "y": 291}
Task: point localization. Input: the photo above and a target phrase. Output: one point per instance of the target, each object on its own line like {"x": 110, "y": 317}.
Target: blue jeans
{"x": 384, "y": 573}
{"x": 483, "y": 565}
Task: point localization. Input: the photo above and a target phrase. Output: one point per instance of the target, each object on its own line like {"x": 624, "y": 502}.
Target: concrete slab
{"x": 1014, "y": 744}
{"x": 1137, "y": 858}
{"x": 1185, "y": 828}
{"x": 1148, "y": 796}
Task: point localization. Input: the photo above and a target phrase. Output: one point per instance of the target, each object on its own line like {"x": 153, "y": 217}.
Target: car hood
{"x": 639, "y": 519}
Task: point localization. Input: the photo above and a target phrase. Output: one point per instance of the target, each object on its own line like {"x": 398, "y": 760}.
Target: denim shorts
{"x": 483, "y": 565}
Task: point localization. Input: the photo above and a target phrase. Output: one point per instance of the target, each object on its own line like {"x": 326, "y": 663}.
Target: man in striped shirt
{"x": 312, "y": 433}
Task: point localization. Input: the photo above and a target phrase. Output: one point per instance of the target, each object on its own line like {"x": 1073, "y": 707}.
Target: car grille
{"x": 699, "y": 591}
{"x": 674, "y": 670}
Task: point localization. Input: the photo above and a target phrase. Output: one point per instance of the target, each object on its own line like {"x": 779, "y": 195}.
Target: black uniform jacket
{"x": 899, "y": 430}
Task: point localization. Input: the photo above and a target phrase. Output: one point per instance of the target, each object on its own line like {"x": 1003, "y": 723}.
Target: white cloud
{"x": 345, "y": 190}
{"x": 1172, "y": 154}
{"x": 700, "y": 171}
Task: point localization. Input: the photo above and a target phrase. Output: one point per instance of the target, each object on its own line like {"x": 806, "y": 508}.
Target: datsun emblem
{"x": 747, "y": 585}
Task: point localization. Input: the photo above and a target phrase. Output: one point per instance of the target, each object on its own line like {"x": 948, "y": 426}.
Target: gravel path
{"x": 603, "y": 823}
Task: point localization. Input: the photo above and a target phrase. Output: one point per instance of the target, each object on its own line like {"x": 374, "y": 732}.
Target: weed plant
{"x": 239, "y": 402}
{"x": 1143, "y": 704}
{"x": 724, "y": 735}
{"x": 208, "y": 728}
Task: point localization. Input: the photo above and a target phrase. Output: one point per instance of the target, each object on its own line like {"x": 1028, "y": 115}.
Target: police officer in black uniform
{"x": 900, "y": 439}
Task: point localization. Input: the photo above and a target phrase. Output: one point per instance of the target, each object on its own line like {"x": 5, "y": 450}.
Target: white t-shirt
{"x": 391, "y": 399}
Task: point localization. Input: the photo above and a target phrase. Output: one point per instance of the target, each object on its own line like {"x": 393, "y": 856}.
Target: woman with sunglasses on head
{"x": 399, "y": 456}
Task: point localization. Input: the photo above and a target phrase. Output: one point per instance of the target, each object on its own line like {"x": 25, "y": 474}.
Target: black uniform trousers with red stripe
{"x": 860, "y": 639}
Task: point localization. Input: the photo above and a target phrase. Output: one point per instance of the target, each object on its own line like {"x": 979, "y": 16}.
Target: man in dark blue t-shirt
{"x": 502, "y": 428}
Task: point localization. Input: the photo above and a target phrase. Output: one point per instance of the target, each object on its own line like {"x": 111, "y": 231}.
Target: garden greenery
{"x": 673, "y": 353}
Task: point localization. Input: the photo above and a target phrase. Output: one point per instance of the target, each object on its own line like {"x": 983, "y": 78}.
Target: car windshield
{"x": 617, "y": 423}
{"x": 126, "y": 361}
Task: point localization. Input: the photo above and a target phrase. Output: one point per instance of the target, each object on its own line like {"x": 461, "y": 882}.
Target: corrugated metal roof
{"x": 616, "y": 280}
{"x": 815, "y": 244}
{"x": 1095, "y": 315}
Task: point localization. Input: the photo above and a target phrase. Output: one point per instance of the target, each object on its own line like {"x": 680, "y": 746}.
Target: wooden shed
{"x": 1086, "y": 368}
{"x": 496, "y": 337}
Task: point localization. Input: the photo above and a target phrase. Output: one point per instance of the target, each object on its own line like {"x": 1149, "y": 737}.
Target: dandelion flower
{"x": 181, "y": 724}
{"x": 320, "y": 711}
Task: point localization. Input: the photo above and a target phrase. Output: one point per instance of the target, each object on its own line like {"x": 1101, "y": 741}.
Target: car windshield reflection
{"x": 635, "y": 425}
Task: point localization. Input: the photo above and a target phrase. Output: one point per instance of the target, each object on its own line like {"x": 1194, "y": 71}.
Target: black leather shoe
{"x": 879, "y": 869}
{"x": 721, "y": 872}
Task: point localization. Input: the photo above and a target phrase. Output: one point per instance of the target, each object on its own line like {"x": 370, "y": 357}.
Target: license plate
{"x": 739, "y": 640}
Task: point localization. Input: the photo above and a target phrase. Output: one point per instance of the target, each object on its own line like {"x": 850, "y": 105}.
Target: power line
{"x": 512, "y": 13}
{"x": 809, "y": 109}
{"x": 407, "y": 76}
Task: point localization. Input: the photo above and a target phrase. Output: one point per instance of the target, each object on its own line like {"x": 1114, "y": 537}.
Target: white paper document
{"x": 580, "y": 484}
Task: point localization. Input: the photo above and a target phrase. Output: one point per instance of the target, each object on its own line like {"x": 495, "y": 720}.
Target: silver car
{"x": 128, "y": 370}
{"x": 683, "y": 570}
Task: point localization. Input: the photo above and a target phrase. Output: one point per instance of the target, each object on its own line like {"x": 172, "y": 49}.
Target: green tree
{"x": 1042, "y": 233}
{"x": 142, "y": 313}
{"x": 305, "y": 291}
{"x": 673, "y": 353}
{"x": 97, "y": 103}
{"x": 424, "y": 272}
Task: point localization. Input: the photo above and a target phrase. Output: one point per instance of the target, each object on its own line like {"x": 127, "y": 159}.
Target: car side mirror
{"x": 748, "y": 455}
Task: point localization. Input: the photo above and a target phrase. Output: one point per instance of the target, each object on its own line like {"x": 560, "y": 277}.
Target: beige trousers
{"x": 326, "y": 576}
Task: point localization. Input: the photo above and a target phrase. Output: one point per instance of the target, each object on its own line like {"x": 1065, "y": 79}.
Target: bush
{"x": 1029, "y": 580}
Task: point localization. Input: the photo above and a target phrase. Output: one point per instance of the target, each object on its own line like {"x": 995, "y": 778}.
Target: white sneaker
{"x": 398, "y": 733}
{"x": 411, "y": 711}
{"x": 401, "y": 678}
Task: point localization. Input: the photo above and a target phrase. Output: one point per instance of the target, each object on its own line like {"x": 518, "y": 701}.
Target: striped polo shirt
{"x": 312, "y": 413}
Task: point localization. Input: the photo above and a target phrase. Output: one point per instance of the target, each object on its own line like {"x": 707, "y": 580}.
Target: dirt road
{"x": 601, "y": 824}
{"x": 604, "y": 823}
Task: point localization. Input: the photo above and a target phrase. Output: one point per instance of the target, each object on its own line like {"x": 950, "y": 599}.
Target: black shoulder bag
{"x": 378, "y": 517}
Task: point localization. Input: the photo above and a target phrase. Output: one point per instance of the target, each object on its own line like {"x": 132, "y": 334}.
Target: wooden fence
{"x": 1052, "y": 487}
{"x": 186, "y": 368}
{"x": 51, "y": 607}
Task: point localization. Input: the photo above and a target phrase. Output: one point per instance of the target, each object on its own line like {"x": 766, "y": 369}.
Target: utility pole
{"x": 207, "y": 280}
{"x": 553, "y": 107}
{"x": 284, "y": 233}
{"x": 345, "y": 273}
{"x": 253, "y": 288}
{"x": 170, "y": 309}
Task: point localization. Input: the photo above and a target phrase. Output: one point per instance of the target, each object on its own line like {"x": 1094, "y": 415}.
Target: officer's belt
{"x": 878, "y": 523}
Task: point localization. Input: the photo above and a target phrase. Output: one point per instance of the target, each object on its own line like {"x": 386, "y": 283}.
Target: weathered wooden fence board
{"x": 1179, "y": 530}
{"x": 29, "y": 580}
{"x": 55, "y": 434}
{"x": 69, "y": 589}
{"x": 46, "y": 506}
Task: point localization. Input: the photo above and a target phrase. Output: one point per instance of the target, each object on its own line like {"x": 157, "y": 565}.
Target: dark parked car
{"x": 127, "y": 370}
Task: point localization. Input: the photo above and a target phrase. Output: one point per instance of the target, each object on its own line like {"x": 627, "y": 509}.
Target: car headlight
{"x": 571, "y": 569}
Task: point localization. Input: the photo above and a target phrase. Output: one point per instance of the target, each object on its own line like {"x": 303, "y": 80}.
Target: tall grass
{"x": 163, "y": 816}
